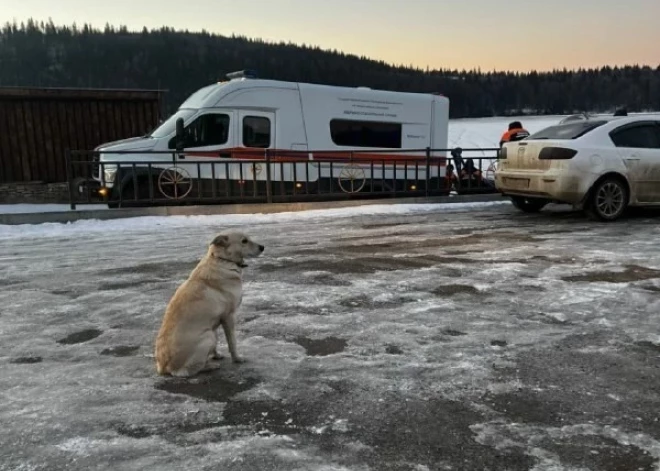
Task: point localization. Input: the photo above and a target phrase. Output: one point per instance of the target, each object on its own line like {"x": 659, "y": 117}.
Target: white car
{"x": 601, "y": 164}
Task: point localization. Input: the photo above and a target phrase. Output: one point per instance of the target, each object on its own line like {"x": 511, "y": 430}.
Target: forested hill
{"x": 34, "y": 54}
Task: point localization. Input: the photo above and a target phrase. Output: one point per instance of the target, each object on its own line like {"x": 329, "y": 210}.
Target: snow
{"x": 485, "y": 133}
{"x": 377, "y": 337}
{"x": 148, "y": 224}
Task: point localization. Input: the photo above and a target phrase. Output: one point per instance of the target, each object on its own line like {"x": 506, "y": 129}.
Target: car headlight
{"x": 109, "y": 173}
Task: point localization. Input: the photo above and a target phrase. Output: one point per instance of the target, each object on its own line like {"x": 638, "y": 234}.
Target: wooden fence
{"x": 38, "y": 125}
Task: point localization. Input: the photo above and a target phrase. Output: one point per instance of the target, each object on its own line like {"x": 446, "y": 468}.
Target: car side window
{"x": 256, "y": 131}
{"x": 211, "y": 129}
{"x": 641, "y": 136}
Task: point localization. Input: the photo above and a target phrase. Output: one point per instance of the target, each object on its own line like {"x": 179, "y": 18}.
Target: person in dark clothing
{"x": 516, "y": 132}
{"x": 470, "y": 171}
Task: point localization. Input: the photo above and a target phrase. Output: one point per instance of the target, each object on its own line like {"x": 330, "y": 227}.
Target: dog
{"x": 187, "y": 340}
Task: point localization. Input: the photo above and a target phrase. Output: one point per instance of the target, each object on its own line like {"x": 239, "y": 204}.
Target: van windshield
{"x": 569, "y": 130}
{"x": 169, "y": 126}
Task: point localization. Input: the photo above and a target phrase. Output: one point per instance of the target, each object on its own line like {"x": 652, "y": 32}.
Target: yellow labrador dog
{"x": 188, "y": 337}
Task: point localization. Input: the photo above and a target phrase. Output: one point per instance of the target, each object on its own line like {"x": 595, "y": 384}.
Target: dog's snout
{"x": 261, "y": 248}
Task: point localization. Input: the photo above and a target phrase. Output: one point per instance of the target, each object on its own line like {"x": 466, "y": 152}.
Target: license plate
{"x": 517, "y": 183}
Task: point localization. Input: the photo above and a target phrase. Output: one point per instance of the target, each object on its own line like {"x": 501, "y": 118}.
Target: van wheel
{"x": 528, "y": 205}
{"x": 607, "y": 200}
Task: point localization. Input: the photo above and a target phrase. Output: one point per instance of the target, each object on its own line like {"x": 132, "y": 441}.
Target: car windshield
{"x": 169, "y": 126}
{"x": 569, "y": 130}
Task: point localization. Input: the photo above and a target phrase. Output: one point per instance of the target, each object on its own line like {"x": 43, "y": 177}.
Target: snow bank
{"x": 152, "y": 223}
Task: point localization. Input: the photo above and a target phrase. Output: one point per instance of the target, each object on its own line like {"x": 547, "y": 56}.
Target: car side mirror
{"x": 180, "y": 138}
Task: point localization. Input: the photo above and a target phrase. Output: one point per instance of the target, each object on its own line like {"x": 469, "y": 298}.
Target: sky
{"x": 457, "y": 34}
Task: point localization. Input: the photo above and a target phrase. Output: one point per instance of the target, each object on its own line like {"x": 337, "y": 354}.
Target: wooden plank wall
{"x": 37, "y": 126}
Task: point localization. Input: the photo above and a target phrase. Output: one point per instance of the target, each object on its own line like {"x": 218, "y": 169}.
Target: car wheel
{"x": 608, "y": 200}
{"x": 528, "y": 205}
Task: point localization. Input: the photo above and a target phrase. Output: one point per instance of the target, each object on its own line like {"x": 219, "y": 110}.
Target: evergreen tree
{"x": 43, "y": 54}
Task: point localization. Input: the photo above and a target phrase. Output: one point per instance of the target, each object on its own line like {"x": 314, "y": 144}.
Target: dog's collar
{"x": 238, "y": 264}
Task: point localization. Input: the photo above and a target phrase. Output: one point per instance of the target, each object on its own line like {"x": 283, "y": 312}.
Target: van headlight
{"x": 109, "y": 173}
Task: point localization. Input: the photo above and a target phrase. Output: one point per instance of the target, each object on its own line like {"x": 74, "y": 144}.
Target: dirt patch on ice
{"x": 649, "y": 345}
{"x": 453, "y": 290}
{"x": 584, "y": 379}
{"x": 69, "y": 293}
{"x": 452, "y": 332}
{"x": 26, "y": 360}
{"x": 213, "y": 387}
{"x": 397, "y": 433}
{"x": 382, "y": 225}
{"x": 393, "y": 350}
{"x": 174, "y": 431}
{"x": 10, "y": 282}
{"x": 80, "y": 337}
{"x": 322, "y": 347}
{"x": 651, "y": 288}
{"x": 597, "y": 452}
{"x": 630, "y": 274}
{"x": 525, "y": 407}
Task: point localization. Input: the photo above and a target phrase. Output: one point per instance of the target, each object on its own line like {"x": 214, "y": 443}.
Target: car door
{"x": 638, "y": 145}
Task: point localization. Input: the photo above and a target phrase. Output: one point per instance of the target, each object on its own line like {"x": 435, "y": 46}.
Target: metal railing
{"x": 268, "y": 176}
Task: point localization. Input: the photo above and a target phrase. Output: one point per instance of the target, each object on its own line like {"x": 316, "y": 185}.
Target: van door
{"x": 256, "y": 129}
{"x": 205, "y": 139}
{"x": 257, "y": 132}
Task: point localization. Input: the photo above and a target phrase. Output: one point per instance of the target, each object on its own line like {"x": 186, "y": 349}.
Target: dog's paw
{"x": 217, "y": 356}
{"x": 213, "y": 365}
{"x": 239, "y": 360}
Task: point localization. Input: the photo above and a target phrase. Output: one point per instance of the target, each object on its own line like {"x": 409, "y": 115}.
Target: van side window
{"x": 208, "y": 130}
{"x": 642, "y": 136}
{"x": 256, "y": 131}
{"x": 350, "y": 133}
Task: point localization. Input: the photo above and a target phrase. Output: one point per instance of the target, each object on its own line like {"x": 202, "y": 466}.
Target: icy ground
{"x": 411, "y": 338}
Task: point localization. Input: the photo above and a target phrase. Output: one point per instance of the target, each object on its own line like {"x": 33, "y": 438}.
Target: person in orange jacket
{"x": 516, "y": 132}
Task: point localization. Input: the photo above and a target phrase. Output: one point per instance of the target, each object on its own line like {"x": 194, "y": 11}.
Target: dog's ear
{"x": 221, "y": 241}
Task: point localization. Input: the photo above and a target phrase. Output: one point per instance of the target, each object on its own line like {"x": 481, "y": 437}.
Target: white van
{"x": 251, "y": 119}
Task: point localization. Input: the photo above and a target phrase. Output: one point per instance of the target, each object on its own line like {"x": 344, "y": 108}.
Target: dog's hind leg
{"x": 200, "y": 359}
{"x": 229, "y": 327}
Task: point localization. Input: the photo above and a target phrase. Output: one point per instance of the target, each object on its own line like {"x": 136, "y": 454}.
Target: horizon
{"x": 486, "y": 40}
{"x": 117, "y": 27}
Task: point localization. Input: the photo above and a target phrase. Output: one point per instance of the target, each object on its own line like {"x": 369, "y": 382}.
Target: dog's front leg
{"x": 216, "y": 355}
{"x": 229, "y": 325}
